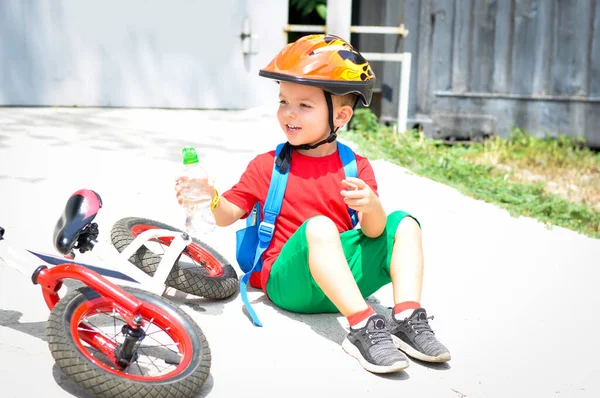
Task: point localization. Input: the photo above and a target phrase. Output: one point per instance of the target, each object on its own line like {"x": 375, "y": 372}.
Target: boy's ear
{"x": 342, "y": 115}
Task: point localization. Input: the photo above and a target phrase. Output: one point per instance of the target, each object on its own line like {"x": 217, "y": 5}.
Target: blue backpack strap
{"x": 266, "y": 229}
{"x": 351, "y": 170}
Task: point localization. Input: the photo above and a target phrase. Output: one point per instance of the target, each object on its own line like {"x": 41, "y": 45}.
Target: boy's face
{"x": 302, "y": 114}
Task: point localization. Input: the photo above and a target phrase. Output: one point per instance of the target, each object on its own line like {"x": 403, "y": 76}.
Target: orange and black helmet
{"x": 324, "y": 61}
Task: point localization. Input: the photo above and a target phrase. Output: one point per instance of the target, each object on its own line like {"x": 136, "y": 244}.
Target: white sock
{"x": 404, "y": 314}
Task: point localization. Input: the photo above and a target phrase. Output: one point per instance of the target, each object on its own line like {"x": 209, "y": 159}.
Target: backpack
{"x": 253, "y": 240}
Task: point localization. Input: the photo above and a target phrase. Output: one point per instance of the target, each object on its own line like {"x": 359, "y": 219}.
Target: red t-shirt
{"x": 313, "y": 188}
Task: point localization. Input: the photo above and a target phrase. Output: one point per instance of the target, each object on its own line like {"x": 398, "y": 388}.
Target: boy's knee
{"x": 321, "y": 228}
{"x": 408, "y": 226}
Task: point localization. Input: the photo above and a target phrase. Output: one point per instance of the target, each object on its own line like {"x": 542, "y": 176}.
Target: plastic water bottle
{"x": 196, "y": 195}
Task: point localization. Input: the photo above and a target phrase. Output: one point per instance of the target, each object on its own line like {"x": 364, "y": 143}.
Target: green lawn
{"x": 554, "y": 180}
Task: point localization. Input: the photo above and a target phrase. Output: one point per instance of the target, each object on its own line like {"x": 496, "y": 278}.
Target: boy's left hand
{"x": 360, "y": 196}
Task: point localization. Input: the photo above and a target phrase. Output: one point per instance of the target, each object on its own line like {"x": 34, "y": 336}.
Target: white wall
{"x": 136, "y": 53}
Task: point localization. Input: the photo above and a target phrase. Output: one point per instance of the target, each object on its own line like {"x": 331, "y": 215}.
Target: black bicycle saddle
{"x": 80, "y": 210}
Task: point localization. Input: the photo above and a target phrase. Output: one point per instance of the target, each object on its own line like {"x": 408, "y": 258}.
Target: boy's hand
{"x": 183, "y": 183}
{"x": 360, "y": 196}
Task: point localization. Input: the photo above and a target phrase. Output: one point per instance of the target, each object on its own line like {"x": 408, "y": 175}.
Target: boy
{"x": 316, "y": 262}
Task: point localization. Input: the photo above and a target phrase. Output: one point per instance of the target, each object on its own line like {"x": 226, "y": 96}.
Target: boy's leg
{"x": 410, "y": 326}
{"x": 369, "y": 338}
{"x": 317, "y": 246}
{"x": 406, "y": 265}
{"x": 291, "y": 284}
{"x": 329, "y": 268}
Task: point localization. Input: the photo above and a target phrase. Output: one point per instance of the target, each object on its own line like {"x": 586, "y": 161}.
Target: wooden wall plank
{"x": 441, "y": 47}
{"x": 461, "y": 46}
{"x": 424, "y": 58}
{"x": 502, "y": 71}
{"x": 593, "y": 62}
{"x": 523, "y": 49}
{"x": 571, "y": 45}
{"x": 542, "y": 47}
{"x": 393, "y": 15}
{"x": 482, "y": 55}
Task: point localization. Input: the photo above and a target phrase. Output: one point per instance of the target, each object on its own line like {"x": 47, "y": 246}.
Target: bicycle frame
{"x": 105, "y": 272}
{"x": 115, "y": 268}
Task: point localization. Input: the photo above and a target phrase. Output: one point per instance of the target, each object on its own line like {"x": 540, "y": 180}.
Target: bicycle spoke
{"x": 152, "y": 362}
{"x": 158, "y": 331}
{"x": 91, "y": 326}
{"x": 188, "y": 254}
{"x": 162, "y": 345}
{"x": 148, "y": 327}
{"x": 140, "y": 368}
{"x": 114, "y": 317}
{"x": 157, "y": 247}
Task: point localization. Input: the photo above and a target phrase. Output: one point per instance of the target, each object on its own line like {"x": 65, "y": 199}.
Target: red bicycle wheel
{"x": 172, "y": 360}
{"x": 200, "y": 270}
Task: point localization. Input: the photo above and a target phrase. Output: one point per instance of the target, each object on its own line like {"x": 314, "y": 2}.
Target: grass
{"x": 554, "y": 180}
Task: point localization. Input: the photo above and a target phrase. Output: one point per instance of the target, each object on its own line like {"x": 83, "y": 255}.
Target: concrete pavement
{"x": 516, "y": 303}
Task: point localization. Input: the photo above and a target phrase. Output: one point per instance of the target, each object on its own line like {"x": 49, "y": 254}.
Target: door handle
{"x": 249, "y": 39}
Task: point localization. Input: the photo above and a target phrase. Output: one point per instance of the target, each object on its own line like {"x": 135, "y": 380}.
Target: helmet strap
{"x": 355, "y": 103}
{"x": 332, "y": 130}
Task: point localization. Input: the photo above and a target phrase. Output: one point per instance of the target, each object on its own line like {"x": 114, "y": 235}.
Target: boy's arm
{"x": 373, "y": 222}
{"x": 225, "y": 212}
{"x": 359, "y": 196}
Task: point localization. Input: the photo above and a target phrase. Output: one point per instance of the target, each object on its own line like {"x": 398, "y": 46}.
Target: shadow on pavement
{"x": 328, "y": 326}
{"x": 78, "y": 391}
{"x": 200, "y": 304}
{"x": 69, "y": 385}
{"x": 206, "y": 387}
{"x": 324, "y": 324}
{"x": 402, "y": 375}
{"x": 432, "y": 365}
{"x": 10, "y": 319}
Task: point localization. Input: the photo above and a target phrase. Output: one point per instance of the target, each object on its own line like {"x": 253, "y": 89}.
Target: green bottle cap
{"x": 189, "y": 155}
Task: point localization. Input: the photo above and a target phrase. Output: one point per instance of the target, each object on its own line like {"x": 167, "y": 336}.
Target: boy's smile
{"x": 292, "y": 129}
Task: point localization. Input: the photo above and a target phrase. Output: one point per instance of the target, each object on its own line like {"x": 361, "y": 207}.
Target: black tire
{"x": 70, "y": 353}
{"x": 194, "y": 280}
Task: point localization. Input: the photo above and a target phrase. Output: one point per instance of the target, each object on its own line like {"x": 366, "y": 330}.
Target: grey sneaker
{"x": 414, "y": 336}
{"x": 372, "y": 346}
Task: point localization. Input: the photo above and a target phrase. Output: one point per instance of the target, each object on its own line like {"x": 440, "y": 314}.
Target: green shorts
{"x": 292, "y": 287}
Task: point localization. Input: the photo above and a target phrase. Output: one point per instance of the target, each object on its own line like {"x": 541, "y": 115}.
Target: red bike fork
{"x": 126, "y": 305}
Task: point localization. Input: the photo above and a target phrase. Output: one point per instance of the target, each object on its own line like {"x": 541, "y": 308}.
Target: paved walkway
{"x": 516, "y": 303}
